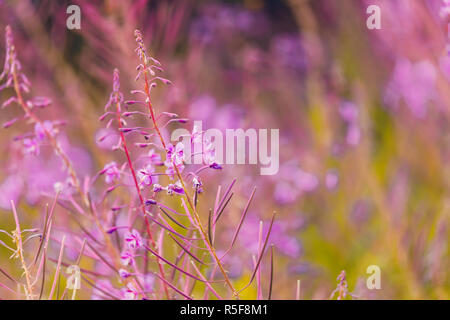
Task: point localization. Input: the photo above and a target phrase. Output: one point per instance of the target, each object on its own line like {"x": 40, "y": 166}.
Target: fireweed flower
{"x": 127, "y": 258}
{"x": 31, "y": 146}
{"x": 209, "y": 152}
{"x": 175, "y": 154}
{"x": 157, "y": 187}
{"x": 145, "y": 175}
{"x": 130, "y": 292}
{"x": 43, "y": 130}
{"x": 174, "y": 158}
{"x": 139, "y": 279}
{"x": 196, "y": 182}
{"x": 196, "y": 135}
{"x": 12, "y": 65}
{"x": 124, "y": 273}
{"x": 175, "y": 188}
{"x": 133, "y": 239}
{"x": 112, "y": 172}
{"x": 40, "y": 129}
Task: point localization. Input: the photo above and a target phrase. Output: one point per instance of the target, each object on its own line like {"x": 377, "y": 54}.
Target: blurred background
{"x": 363, "y": 115}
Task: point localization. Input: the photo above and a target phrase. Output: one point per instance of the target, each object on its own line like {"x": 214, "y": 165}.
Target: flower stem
{"x": 18, "y": 240}
{"x": 141, "y": 199}
{"x": 49, "y": 136}
{"x": 188, "y": 197}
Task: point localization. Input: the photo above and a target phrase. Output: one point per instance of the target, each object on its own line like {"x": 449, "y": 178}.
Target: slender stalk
{"x": 53, "y": 142}
{"x": 18, "y": 236}
{"x": 141, "y": 198}
{"x": 187, "y": 195}
{"x": 58, "y": 267}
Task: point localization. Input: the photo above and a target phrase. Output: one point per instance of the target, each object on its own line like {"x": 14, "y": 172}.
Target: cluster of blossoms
{"x": 12, "y": 69}
{"x": 45, "y": 131}
{"x": 16, "y": 79}
{"x": 106, "y": 217}
{"x": 174, "y": 159}
{"x": 134, "y": 242}
{"x": 149, "y": 180}
{"x": 111, "y": 172}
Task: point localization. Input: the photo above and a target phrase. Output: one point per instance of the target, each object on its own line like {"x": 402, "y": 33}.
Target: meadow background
{"x": 363, "y": 115}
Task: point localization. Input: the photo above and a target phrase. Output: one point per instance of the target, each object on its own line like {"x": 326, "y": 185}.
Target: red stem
{"x": 141, "y": 200}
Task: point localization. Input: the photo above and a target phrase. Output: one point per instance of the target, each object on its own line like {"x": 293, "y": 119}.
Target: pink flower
{"x": 145, "y": 175}
{"x": 112, "y": 173}
{"x": 175, "y": 158}
{"x": 209, "y": 152}
{"x": 157, "y": 187}
{"x": 130, "y": 292}
{"x": 124, "y": 273}
{"x": 41, "y": 129}
{"x": 31, "y": 146}
{"x": 133, "y": 239}
{"x": 126, "y": 258}
{"x": 175, "y": 188}
{"x": 196, "y": 136}
{"x": 175, "y": 154}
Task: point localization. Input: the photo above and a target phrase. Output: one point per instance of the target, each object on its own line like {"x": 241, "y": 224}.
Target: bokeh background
{"x": 363, "y": 115}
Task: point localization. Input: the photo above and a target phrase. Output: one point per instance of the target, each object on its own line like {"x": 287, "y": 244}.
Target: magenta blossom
{"x": 174, "y": 159}
{"x": 41, "y": 129}
{"x": 112, "y": 173}
{"x": 124, "y": 273}
{"x": 157, "y": 187}
{"x": 127, "y": 258}
{"x": 133, "y": 239}
{"x": 130, "y": 292}
{"x": 31, "y": 146}
{"x": 146, "y": 175}
{"x": 209, "y": 152}
{"x": 175, "y": 188}
{"x": 175, "y": 154}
